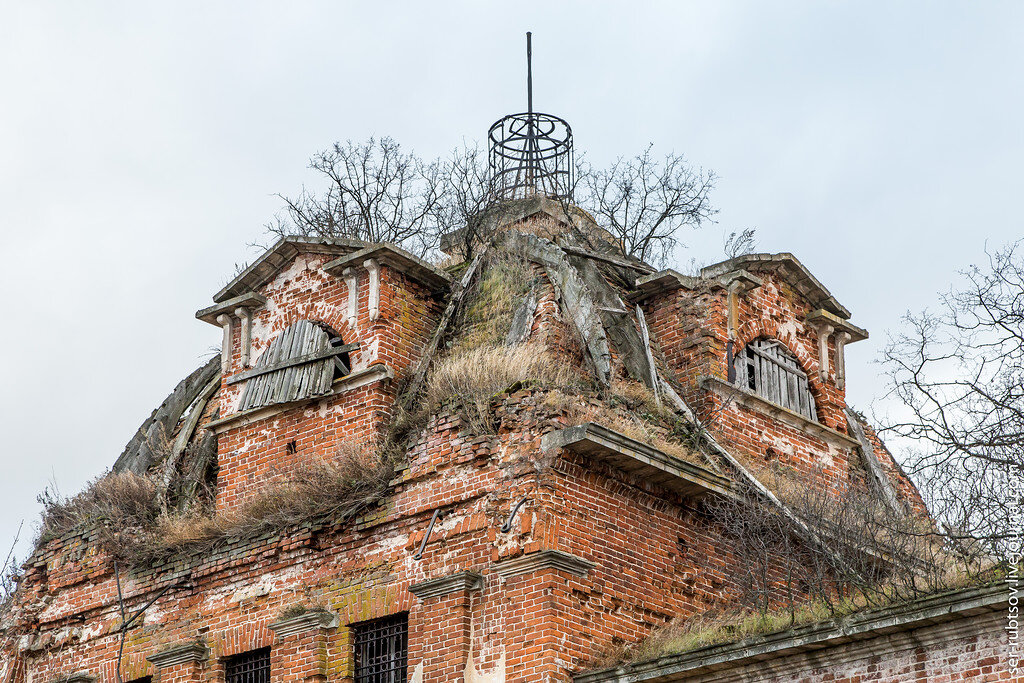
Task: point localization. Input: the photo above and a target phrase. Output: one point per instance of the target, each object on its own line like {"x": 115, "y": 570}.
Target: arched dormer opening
{"x": 302, "y": 362}
{"x": 769, "y": 369}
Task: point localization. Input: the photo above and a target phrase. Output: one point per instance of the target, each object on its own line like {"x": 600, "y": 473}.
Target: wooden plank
{"x": 459, "y": 291}
{"x": 290, "y": 381}
{"x": 294, "y": 380}
{"x": 308, "y": 358}
{"x": 622, "y": 263}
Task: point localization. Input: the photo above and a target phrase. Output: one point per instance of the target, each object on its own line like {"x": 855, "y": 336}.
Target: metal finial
{"x": 530, "y": 153}
{"x": 529, "y": 72}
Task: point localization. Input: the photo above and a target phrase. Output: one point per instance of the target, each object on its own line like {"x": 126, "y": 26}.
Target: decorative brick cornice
{"x": 77, "y": 677}
{"x": 180, "y": 654}
{"x": 304, "y": 622}
{"x": 544, "y": 559}
{"x": 601, "y": 444}
{"x": 949, "y": 615}
{"x": 445, "y": 585}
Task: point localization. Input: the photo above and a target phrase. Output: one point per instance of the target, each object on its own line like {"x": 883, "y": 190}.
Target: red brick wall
{"x": 250, "y": 454}
{"x": 691, "y": 327}
{"x": 657, "y": 556}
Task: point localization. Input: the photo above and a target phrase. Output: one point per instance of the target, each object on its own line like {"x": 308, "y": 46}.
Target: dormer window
{"x": 770, "y": 370}
{"x": 302, "y": 362}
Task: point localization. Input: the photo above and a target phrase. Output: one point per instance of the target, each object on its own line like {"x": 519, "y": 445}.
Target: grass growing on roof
{"x": 124, "y": 509}
{"x": 504, "y": 281}
{"x": 737, "y": 625}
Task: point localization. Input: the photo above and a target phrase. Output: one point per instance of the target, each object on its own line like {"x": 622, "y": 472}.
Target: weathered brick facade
{"x": 612, "y": 542}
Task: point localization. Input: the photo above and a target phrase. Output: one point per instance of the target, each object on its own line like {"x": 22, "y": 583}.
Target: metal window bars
{"x": 248, "y": 667}
{"x": 382, "y": 650}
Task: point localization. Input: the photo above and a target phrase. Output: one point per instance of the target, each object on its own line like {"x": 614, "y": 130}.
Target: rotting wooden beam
{"x": 459, "y": 290}
{"x": 622, "y": 263}
{"x": 290, "y": 362}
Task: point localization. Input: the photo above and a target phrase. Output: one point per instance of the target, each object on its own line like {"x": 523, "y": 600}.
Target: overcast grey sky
{"x": 141, "y": 145}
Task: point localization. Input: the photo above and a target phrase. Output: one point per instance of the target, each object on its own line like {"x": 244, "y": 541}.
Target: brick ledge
{"x": 544, "y": 559}
{"x": 310, "y": 621}
{"x": 929, "y": 611}
{"x": 445, "y": 585}
{"x": 375, "y": 373}
{"x": 180, "y": 654}
{"x": 749, "y": 399}
{"x": 603, "y": 444}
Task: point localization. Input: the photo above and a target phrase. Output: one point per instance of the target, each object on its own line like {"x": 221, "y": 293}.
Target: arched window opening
{"x": 770, "y": 370}
{"x": 302, "y": 362}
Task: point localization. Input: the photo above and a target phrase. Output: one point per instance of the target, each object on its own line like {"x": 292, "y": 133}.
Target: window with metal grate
{"x": 248, "y": 667}
{"x": 382, "y": 650}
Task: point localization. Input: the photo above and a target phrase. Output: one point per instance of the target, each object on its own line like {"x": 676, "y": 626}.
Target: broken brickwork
{"x": 523, "y": 551}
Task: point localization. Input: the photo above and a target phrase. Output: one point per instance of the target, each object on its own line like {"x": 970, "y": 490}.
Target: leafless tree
{"x": 375, "y": 192}
{"x": 958, "y": 376}
{"x": 469, "y": 210}
{"x": 9, "y": 572}
{"x": 857, "y": 547}
{"x": 379, "y": 193}
{"x": 644, "y": 202}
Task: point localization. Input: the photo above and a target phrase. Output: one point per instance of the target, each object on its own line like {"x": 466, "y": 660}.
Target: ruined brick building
{"x": 517, "y": 538}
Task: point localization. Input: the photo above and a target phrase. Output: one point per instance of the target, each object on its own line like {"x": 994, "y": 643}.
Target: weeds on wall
{"x": 470, "y": 378}
{"x": 717, "y": 627}
{"x": 124, "y": 509}
{"x": 486, "y": 317}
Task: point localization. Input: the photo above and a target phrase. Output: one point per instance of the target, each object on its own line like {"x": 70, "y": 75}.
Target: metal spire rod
{"x": 529, "y": 72}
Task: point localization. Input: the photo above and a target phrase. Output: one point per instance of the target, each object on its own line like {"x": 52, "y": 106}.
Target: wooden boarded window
{"x": 301, "y": 363}
{"x": 770, "y": 370}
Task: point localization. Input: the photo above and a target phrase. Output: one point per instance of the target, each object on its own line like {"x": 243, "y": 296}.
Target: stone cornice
{"x": 250, "y": 300}
{"x": 605, "y": 445}
{"x": 749, "y": 399}
{"x": 841, "y": 325}
{"x": 77, "y": 677}
{"x": 397, "y": 258}
{"x": 720, "y": 659}
{"x": 309, "y": 621}
{"x": 543, "y": 559}
{"x": 445, "y": 585}
{"x": 180, "y": 654}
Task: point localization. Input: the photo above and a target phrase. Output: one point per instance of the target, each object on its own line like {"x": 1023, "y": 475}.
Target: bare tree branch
{"x": 957, "y": 376}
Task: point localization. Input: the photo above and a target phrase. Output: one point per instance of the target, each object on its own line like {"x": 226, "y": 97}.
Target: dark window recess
{"x": 143, "y": 679}
{"x": 767, "y": 368}
{"x": 382, "y": 650}
{"x": 248, "y": 667}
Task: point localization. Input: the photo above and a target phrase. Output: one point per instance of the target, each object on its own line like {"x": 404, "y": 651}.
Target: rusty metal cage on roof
{"x": 530, "y": 153}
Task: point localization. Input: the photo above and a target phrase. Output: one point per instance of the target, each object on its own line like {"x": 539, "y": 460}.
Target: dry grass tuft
{"x": 335, "y": 489}
{"x": 474, "y": 376}
{"x": 632, "y": 411}
{"x": 117, "y": 501}
{"x": 124, "y": 507}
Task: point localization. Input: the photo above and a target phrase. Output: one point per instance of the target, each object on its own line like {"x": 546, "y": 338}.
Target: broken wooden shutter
{"x": 299, "y": 364}
{"x": 767, "y": 368}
